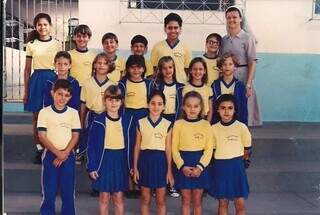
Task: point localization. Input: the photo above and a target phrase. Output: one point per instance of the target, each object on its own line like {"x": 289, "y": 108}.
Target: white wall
{"x": 281, "y": 26}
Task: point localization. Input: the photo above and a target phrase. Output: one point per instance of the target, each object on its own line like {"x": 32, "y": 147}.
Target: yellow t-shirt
{"x": 114, "y": 136}
{"x": 92, "y": 94}
{"x": 192, "y": 136}
{"x": 149, "y": 68}
{"x": 153, "y": 134}
{"x": 59, "y": 125}
{"x": 229, "y": 141}
{"x": 118, "y": 72}
{"x": 180, "y": 53}
{"x": 205, "y": 91}
{"x": 212, "y": 69}
{"x": 81, "y": 67}
{"x": 43, "y": 53}
{"x": 136, "y": 95}
{"x": 170, "y": 93}
{"x": 227, "y": 88}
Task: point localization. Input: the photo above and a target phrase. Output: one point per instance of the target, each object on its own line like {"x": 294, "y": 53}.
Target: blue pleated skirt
{"x": 182, "y": 182}
{"x": 228, "y": 179}
{"x": 113, "y": 173}
{"x": 152, "y": 166}
{"x": 37, "y": 84}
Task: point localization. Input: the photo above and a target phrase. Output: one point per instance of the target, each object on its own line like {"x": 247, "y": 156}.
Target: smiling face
{"x": 101, "y": 66}
{"x": 156, "y": 106}
{"x": 168, "y": 70}
{"x": 81, "y": 41}
{"x": 62, "y": 66}
{"x": 113, "y": 105}
{"x": 60, "y": 98}
{"x": 212, "y": 45}
{"x": 138, "y": 49}
{"x": 43, "y": 27}
{"x": 226, "y": 111}
{"x": 197, "y": 72}
{"x": 233, "y": 19}
{"x": 172, "y": 30}
{"x": 110, "y": 46}
{"x": 192, "y": 107}
{"x": 136, "y": 72}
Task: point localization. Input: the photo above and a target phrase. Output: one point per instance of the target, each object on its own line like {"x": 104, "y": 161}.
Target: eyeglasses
{"x": 213, "y": 42}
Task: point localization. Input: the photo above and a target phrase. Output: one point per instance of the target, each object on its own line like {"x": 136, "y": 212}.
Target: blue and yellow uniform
{"x": 192, "y": 146}
{"x": 173, "y": 95}
{"x": 118, "y": 72}
{"x": 236, "y": 88}
{"x": 212, "y": 69}
{"x": 152, "y": 163}
{"x": 81, "y": 67}
{"x": 42, "y": 53}
{"x": 180, "y": 53}
{"x": 59, "y": 126}
{"x": 109, "y": 151}
{"x": 229, "y": 178}
{"x": 74, "y": 102}
{"x": 136, "y": 94}
{"x": 92, "y": 95}
{"x": 205, "y": 92}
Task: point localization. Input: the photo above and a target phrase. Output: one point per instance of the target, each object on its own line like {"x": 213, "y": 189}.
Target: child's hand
{"x": 187, "y": 171}
{"x": 131, "y": 172}
{"x": 248, "y": 92}
{"x": 94, "y": 175}
{"x": 196, "y": 172}
{"x": 25, "y": 98}
{"x": 170, "y": 179}
{"x": 136, "y": 176}
{"x": 57, "y": 162}
{"x": 62, "y": 155}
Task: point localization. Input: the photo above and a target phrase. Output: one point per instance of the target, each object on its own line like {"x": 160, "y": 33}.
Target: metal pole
{"x": 4, "y": 72}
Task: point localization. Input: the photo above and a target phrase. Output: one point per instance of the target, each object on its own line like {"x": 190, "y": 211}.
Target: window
{"x": 317, "y": 7}
{"x": 181, "y": 4}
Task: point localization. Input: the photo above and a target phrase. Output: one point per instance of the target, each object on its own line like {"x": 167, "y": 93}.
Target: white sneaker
{"x": 173, "y": 192}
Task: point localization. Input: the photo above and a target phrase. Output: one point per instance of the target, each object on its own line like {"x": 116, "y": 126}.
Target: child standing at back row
{"x": 213, "y": 42}
{"x": 59, "y": 128}
{"x": 228, "y": 84}
{"x": 62, "y": 62}
{"x": 139, "y": 46}
{"x": 152, "y": 155}
{"x": 173, "y": 47}
{"x": 92, "y": 94}
{"x": 110, "y": 44}
{"x": 109, "y": 141}
{"x": 81, "y": 56}
{"x": 198, "y": 77}
{"x": 40, "y": 53}
{"x": 232, "y": 142}
{"x": 192, "y": 151}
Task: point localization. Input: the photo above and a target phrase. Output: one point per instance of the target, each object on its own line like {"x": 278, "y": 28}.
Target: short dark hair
{"x": 223, "y": 58}
{"x": 109, "y": 35}
{"x": 215, "y": 35}
{"x": 172, "y": 17}
{"x": 113, "y": 91}
{"x": 157, "y": 93}
{"x": 82, "y": 29}
{"x": 201, "y": 60}
{"x": 135, "y": 60}
{"x": 62, "y": 84}
{"x": 139, "y": 39}
{"x": 63, "y": 54}
{"x": 34, "y": 33}
{"x": 233, "y": 8}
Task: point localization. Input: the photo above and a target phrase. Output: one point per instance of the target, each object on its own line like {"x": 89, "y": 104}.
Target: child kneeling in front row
{"x": 110, "y": 138}
{"x": 232, "y": 144}
{"x": 58, "y": 127}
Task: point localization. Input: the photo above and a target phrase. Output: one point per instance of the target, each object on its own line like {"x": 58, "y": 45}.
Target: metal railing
{"x": 18, "y": 20}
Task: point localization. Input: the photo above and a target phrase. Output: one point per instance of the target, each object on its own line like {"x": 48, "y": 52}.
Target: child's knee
{"x": 223, "y": 203}
{"x": 104, "y": 198}
{"x": 145, "y": 199}
{"x": 118, "y": 200}
{"x": 239, "y": 204}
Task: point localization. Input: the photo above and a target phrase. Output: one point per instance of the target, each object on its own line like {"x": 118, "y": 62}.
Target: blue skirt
{"x": 182, "y": 182}
{"x": 228, "y": 179}
{"x": 152, "y": 166}
{"x": 113, "y": 173}
{"x": 37, "y": 84}
{"x": 137, "y": 113}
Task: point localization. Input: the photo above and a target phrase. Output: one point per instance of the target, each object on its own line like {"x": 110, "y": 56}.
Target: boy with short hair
{"x": 110, "y": 44}
{"x": 81, "y": 56}
{"x": 59, "y": 127}
{"x": 139, "y": 46}
{"x": 173, "y": 47}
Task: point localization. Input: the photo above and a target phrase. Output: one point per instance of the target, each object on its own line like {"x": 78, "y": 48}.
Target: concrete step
{"x": 257, "y": 204}
{"x": 263, "y": 177}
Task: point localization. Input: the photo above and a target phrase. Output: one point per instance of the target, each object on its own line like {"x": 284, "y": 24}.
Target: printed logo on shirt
{"x": 172, "y": 96}
{"x": 158, "y": 135}
{"x": 131, "y": 93}
{"x": 87, "y": 63}
{"x": 232, "y": 138}
{"x": 198, "y": 136}
{"x": 177, "y": 54}
{"x": 65, "y": 125}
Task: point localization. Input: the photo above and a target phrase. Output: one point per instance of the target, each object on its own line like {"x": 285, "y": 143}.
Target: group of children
{"x": 133, "y": 118}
